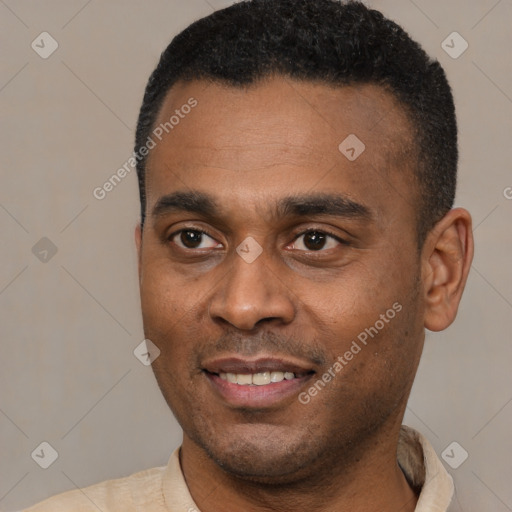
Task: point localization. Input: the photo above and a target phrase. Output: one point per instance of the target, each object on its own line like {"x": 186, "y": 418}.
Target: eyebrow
{"x": 297, "y": 205}
{"x": 322, "y": 204}
{"x": 194, "y": 202}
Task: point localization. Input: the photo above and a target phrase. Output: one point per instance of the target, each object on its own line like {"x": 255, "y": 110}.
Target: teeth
{"x": 260, "y": 379}
{"x": 276, "y": 376}
{"x": 256, "y": 379}
{"x": 244, "y": 379}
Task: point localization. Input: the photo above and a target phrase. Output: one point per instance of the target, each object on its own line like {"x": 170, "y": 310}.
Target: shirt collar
{"x": 424, "y": 471}
{"x": 417, "y": 458}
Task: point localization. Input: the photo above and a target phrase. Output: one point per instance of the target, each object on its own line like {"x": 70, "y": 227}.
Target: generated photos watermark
{"x": 356, "y": 346}
{"x": 157, "y": 134}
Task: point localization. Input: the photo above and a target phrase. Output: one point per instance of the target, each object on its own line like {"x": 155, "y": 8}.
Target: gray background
{"x": 69, "y": 325}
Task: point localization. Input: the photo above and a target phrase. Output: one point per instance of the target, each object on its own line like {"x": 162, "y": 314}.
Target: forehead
{"x": 290, "y": 110}
{"x": 280, "y": 133}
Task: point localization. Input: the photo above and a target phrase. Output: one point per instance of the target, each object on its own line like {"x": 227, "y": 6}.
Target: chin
{"x": 255, "y": 466}
{"x": 262, "y": 453}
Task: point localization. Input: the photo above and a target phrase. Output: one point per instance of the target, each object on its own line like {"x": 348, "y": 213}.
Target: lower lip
{"x": 256, "y": 396}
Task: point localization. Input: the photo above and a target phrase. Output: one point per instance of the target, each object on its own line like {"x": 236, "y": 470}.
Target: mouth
{"x": 256, "y": 383}
{"x": 257, "y": 379}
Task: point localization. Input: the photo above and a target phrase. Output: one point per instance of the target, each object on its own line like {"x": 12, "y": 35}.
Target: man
{"x": 297, "y": 167}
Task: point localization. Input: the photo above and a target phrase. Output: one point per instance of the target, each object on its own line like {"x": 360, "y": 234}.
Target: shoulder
{"x": 128, "y": 494}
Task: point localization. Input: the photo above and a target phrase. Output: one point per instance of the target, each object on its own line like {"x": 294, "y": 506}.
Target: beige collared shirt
{"x": 163, "y": 489}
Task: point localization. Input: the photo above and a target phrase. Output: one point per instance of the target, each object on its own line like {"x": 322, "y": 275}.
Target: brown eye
{"x": 193, "y": 239}
{"x": 315, "y": 241}
{"x": 190, "y": 239}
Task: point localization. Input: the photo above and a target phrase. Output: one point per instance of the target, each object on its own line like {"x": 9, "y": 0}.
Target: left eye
{"x": 193, "y": 239}
{"x": 315, "y": 241}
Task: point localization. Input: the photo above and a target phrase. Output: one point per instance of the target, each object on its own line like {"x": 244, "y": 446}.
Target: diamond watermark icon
{"x": 249, "y": 249}
{"x": 44, "y": 45}
{"x": 45, "y": 455}
{"x": 454, "y": 45}
{"x": 44, "y": 250}
{"x": 352, "y": 147}
{"x": 146, "y": 352}
{"x": 454, "y": 455}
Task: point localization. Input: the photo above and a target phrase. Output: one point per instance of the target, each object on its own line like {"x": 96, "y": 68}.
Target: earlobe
{"x": 447, "y": 256}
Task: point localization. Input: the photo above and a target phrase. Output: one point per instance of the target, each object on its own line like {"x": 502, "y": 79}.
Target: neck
{"x": 371, "y": 481}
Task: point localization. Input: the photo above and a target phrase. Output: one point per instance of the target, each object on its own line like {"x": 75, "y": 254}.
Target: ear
{"x": 446, "y": 259}
{"x": 138, "y": 244}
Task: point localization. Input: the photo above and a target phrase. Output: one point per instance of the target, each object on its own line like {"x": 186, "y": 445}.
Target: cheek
{"x": 164, "y": 294}
{"x": 353, "y": 300}
{"x": 370, "y": 317}
{"x": 173, "y": 312}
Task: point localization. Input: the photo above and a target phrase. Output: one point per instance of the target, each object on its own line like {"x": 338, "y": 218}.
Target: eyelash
{"x": 195, "y": 230}
{"x": 295, "y": 236}
{"x": 323, "y": 231}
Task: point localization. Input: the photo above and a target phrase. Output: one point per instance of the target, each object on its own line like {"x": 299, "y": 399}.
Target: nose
{"x": 251, "y": 294}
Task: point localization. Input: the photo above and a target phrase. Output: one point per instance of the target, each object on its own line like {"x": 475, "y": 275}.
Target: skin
{"x": 249, "y": 149}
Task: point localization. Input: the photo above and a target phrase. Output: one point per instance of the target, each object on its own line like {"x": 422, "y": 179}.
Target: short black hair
{"x": 326, "y": 41}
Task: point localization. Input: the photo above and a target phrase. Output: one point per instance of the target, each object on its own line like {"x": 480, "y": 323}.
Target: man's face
{"x": 338, "y": 260}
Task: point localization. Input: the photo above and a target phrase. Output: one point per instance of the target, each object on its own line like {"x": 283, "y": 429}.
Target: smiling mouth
{"x": 256, "y": 383}
{"x": 259, "y": 372}
{"x": 258, "y": 379}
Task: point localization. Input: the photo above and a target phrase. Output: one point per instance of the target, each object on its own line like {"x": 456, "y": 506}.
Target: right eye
{"x": 193, "y": 239}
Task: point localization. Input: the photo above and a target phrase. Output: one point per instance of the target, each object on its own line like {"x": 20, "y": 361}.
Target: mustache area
{"x": 267, "y": 344}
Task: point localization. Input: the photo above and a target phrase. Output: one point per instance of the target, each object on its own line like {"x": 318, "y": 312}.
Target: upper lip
{"x": 259, "y": 365}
